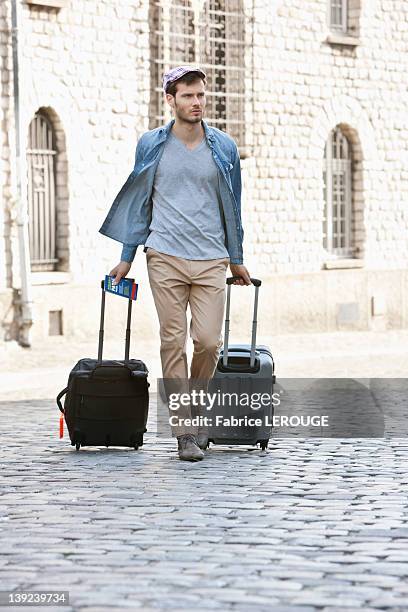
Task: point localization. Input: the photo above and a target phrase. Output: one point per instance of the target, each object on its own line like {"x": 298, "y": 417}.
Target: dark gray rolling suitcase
{"x": 107, "y": 401}
{"x": 243, "y": 370}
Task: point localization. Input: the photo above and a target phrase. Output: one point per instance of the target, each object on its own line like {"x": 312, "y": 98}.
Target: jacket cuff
{"x": 238, "y": 262}
{"x": 128, "y": 253}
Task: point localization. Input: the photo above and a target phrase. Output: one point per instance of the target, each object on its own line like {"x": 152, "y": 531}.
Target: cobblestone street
{"x": 314, "y": 524}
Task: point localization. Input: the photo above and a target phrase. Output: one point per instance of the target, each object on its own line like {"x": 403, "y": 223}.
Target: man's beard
{"x": 188, "y": 118}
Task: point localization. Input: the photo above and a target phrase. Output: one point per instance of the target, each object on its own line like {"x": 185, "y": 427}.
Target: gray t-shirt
{"x": 186, "y": 219}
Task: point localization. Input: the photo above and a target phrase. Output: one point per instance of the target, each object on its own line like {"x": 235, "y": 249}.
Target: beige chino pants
{"x": 176, "y": 282}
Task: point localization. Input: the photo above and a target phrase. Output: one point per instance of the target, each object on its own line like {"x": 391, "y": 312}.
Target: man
{"x": 183, "y": 201}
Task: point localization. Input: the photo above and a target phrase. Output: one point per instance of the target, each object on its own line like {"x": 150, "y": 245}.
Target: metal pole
{"x": 25, "y": 319}
{"x": 226, "y": 329}
{"x": 254, "y": 325}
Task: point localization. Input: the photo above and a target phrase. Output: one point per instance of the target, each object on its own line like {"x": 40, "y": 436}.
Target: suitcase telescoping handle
{"x": 102, "y": 322}
{"x": 257, "y": 283}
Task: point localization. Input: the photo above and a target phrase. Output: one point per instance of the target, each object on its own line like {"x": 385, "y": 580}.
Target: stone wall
{"x": 303, "y": 88}
{"x": 87, "y": 67}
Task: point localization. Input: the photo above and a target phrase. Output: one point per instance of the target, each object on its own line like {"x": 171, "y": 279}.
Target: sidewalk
{"x": 40, "y": 372}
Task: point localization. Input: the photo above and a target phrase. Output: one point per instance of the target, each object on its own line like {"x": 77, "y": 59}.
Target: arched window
{"x": 209, "y": 34}
{"x": 41, "y": 155}
{"x": 337, "y": 178}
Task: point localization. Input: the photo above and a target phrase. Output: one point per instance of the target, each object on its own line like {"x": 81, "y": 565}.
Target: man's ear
{"x": 170, "y": 100}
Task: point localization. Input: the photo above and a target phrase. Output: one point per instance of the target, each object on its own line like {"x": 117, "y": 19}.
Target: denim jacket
{"x": 130, "y": 215}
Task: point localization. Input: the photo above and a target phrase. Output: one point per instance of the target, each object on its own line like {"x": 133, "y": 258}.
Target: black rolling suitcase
{"x": 245, "y": 370}
{"x": 107, "y": 401}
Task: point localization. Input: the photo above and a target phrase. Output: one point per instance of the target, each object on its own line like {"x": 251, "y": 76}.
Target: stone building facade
{"x": 316, "y": 98}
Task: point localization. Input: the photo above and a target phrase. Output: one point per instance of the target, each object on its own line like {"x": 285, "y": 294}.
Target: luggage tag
{"x": 125, "y": 288}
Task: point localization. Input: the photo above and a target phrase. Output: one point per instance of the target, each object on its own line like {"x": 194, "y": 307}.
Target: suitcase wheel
{"x": 264, "y": 444}
{"x": 76, "y": 440}
{"x": 136, "y": 440}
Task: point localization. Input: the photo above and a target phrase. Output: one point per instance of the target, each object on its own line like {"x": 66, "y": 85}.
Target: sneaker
{"x": 188, "y": 449}
{"x": 202, "y": 440}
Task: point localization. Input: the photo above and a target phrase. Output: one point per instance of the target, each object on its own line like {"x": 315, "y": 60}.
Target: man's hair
{"x": 188, "y": 79}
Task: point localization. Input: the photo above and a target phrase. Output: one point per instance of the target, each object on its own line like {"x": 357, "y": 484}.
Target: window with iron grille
{"x": 209, "y": 34}
{"x": 41, "y": 155}
{"x": 338, "y": 10}
{"x": 337, "y": 222}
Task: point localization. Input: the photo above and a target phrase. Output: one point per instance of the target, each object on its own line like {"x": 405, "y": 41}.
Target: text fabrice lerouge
{"x": 249, "y": 421}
